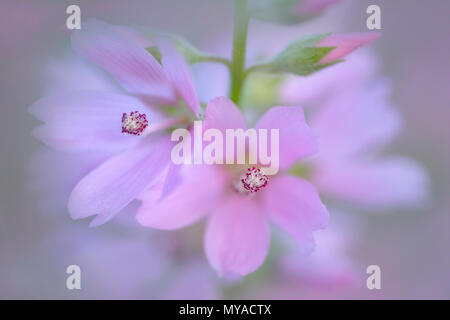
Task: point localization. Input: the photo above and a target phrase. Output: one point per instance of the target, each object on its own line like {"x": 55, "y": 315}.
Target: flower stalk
{"x": 241, "y": 18}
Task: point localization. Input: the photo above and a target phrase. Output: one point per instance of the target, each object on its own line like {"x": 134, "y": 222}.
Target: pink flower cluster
{"x": 238, "y": 201}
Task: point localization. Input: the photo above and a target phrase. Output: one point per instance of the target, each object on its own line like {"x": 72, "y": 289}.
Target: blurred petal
{"x": 345, "y": 44}
{"x": 297, "y": 140}
{"x": 124, "y": 58}
{"x": 71, "y": 72}
{"x": 330, "y": 265}
{"x": 54, "y": 174}
{"x": 200, "y": 189}
{"x": 88, "y": 120}
{"x": 295, "y": 206}
{"x": 118, "y": 181}
{"x": 376, "y": 183}
{"x": 237, "y": 236}
{"x": 312, "y": 91}
{"x": 172, "y": 180}
{"x": 179, "y": 73}
{"x": 355, "y": 122}
{"x": 222, "y": 113}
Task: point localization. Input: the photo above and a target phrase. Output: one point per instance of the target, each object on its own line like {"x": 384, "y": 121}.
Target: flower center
{"x": 252, "y": 181}
{"x": 134, "y": 124}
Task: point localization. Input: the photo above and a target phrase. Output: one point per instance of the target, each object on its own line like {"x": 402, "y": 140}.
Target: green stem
{"x": 241, "y": 18}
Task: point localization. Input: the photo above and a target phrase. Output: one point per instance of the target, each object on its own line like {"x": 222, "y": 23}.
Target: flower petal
{"x": 345, "y": 44}
{"x": 221, "y": 113}
{"x": 314, "y": 90}
{"x": 84, "y": 120}
{"x": 378, "y": 184}
{"x": 237, "y": 236}
{"x": 70, "y": 72}
{"x": 200, "y": 189}
{"x": 355, "y": 122}
{"x": 179, "y": 73}
{"x": 124, "y": 58}
{"x": 119, "y": 180}
{"x": 297, "y": 140}
{"x": 295, "y": 206}
{"x": 54, "y": 174}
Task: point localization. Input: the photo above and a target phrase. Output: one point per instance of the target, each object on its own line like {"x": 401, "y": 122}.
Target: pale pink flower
{"x": 351, "y": 108}
{"x": 330, "y": 265}
{"x": 237, "y": 234}
{"x": 91, "y": 119}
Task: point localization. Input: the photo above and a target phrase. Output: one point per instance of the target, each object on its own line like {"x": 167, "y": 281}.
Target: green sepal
{"x": 300, "y": 57}
{"x": 155, "y": 52}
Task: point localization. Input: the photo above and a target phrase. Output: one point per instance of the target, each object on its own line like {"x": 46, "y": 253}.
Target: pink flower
{"x": 350, "y": 168}
{"x": 345, "y": 43}
{"x": 92, "y": 119}
{"x": 330, "y": 265}
{"x": 237, "y": 234}
{"x": 351, "y": 109}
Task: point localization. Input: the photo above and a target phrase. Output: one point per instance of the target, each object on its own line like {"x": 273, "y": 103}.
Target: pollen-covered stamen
{"x": 252, "y": 180}
{"x": 134, "y": 124}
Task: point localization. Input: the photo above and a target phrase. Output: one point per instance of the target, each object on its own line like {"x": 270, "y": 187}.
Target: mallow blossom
{"x": 138, "y": 165}
{"x": 330, "y": 265}
{"x": 350, "y": 106}
{"x": 91, "y": 119}
{"x": 237, "y": 234}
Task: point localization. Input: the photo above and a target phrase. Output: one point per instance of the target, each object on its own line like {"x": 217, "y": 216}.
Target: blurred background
{"x": 38, "y": 239}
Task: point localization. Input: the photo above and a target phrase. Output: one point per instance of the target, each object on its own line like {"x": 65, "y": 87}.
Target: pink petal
{"x": 71, "y": 72}
{"x": 172, "y": 180}
{"x": 345, "y": 44}
{"x": 124, "y": 58}
{"x": 297, "y": 140}
{"x": 200, "y": 189}
{"x": 221, "y": 113}
{"x": 353, "y": 122}
{"x": 54, "y": 174}
{"x": 83, "y": 120}
{"x": 295, "y": 206}
{"x": 118, "y": 181}
{"x": 179, "y": 73}
{"x": 237, "y": 236}
{"x": 329, "y": 266}
{"x": 312, "y": 91}
{"x": 378, "y": 184}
